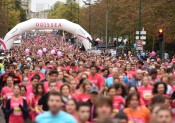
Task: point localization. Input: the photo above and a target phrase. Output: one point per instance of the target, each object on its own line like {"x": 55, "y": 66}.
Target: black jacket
{"x": 24, "y": 108}
{"x": 43, "y": 101}
{"x": 94, "y": 113}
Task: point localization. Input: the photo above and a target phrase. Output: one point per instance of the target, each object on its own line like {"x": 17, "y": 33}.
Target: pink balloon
{"x": 153, "y": 53}
{"x": 70, "y": 47}
{"x": 158, "y": 59}
{"x": 27, "y": 51}
{"x": 44, "y": 50}
{"x": 52, "y": 52}
{"x": 40, "y": 52}
{"x": 59, "y": 53}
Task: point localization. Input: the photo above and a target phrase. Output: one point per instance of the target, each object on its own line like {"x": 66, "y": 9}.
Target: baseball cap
{"x": 94, "y": 89}
{"x": 50, "y": 67}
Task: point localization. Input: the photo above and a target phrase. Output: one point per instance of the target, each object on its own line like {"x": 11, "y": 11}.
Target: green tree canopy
{"x": 11, "y": 14}
{"x": 123, "y": 19}
{"x": 67, "y": 11}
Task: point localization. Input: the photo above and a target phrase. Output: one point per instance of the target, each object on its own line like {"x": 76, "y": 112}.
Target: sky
{"x": 40, "y": 5}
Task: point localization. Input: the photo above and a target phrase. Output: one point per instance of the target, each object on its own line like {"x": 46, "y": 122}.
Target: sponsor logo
{"x": 46, "y": 24}
{"x": 14, "y": 31}
{"x": 81, "y": 32}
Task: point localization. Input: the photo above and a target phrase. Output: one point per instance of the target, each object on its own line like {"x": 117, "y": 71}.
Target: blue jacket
{"x": 133, "y": 82}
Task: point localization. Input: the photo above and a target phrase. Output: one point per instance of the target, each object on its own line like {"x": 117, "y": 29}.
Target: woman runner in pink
{"x": 16, "y": 107}
{"x": 7, "y": 93}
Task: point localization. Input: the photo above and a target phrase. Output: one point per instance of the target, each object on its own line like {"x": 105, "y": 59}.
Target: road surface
{"x": 1, "y": 117}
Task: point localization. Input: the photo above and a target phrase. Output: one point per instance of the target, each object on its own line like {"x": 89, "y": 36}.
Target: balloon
{"x": 70, "y": 47}
{"x": 59, "y": 53}
{"x": 158, "y": 59}
{"x": 143, "y": 54}
{"x": 153, "y": 54}
{"x": 40, "y": 52}
{"x": 52, "y": 52}
{"x": 135, "y": 45}
{"x": 44, "y": 50}
{"x": 27, "y": 51}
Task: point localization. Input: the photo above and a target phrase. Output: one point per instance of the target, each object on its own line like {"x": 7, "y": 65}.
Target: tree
{"x": 11, "y": 13}
{"x": 67, "y": 11}
{"x": 123, "y": 19}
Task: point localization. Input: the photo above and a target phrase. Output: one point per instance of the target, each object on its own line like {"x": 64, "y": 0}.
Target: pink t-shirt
{"x": 17, "y": 114}
{"x": 35, "y": 102}
{"x": 46, "y": 88}
{"x": 158, "y": 76}
{"x": 146, "y": 93}
{"x": 69, "y": 67}
{"x": 130, "y": 74}
{"x": 173, "y": 108}
{"x": 30, "y": 94}
{"x": 83, "y": 97}
{"x": 6, "y": 91}
{"x": 117, "y": 102}
{"x": 96, "y": 80}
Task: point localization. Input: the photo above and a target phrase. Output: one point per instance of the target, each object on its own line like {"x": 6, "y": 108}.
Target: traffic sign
{"x": 137, "y": 37}
{"x": 139, "y": 45}
{"x": 141, "y": 37}
{"x": 144, "y": 42}
{"x": 141, "y": 32}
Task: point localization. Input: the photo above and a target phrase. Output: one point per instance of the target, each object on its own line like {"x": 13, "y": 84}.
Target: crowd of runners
{"x": 47, "y": 80}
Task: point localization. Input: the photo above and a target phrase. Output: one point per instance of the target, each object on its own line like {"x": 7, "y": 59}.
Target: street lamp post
{"x": 140, "y": 17}
{"x": 107, "y": 12}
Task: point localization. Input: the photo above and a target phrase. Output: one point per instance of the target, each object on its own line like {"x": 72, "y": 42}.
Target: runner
{"x": 16, "y": 107}
{"x": 55, "y": 114}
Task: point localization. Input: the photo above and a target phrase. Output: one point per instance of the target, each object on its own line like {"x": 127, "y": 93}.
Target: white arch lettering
{"x": 61, "y": 24}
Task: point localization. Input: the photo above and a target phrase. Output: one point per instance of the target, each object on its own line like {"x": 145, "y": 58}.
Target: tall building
{"x": 39, "y": 13}
{"x": 25, "y": 4}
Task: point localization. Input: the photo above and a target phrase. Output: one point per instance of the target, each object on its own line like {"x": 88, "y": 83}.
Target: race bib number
{"x": 37, "y": 110}
{"x": 115, "y": 111}
{"x": 136, "y": 120}
{"x": 17, "y": 111}
{"x": 147, "y": 96}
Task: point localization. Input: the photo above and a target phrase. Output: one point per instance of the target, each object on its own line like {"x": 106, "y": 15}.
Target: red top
{"x": 145, "y": 93}
{"x": 17, "y": 114}
{"x": 96, "y": 80}
{"x": 7, "y": 92}
{"x": 83, "y": 97}
{"x": 117, "y": 102}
